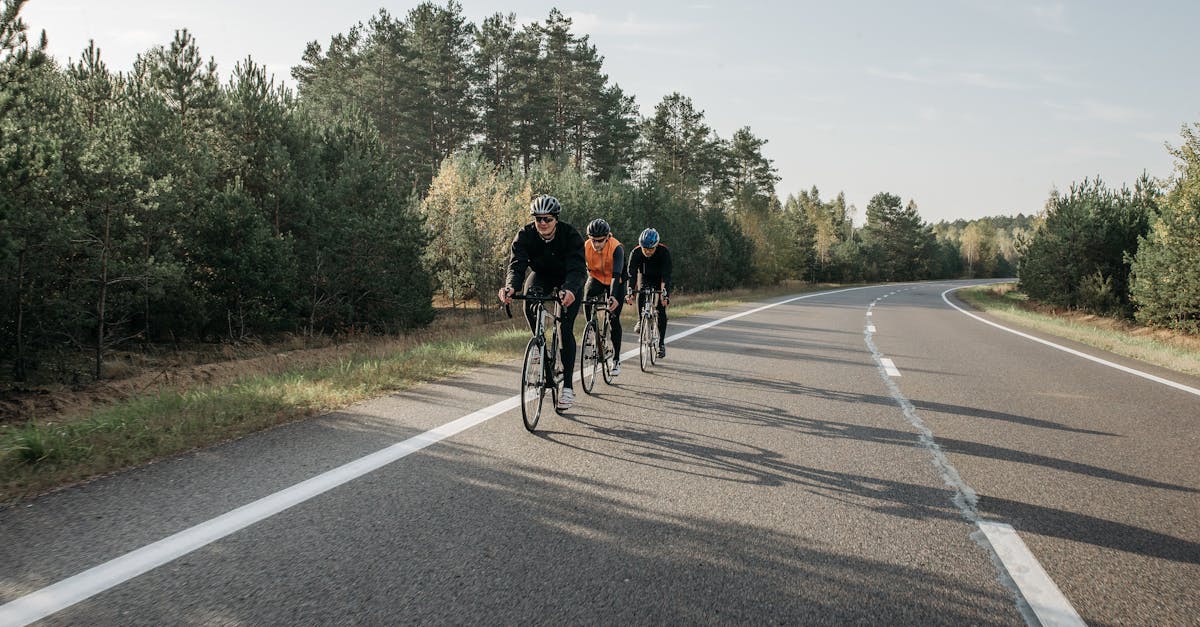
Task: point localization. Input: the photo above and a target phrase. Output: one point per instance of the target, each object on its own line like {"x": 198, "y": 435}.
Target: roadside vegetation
{"x": 1167, "y": 348}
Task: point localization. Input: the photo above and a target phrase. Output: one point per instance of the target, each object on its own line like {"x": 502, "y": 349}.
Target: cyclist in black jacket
{"x": 650, "y": 266}
{"x": 553, "y": 250}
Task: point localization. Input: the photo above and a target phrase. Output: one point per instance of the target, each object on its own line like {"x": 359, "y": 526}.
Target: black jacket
{"x": 559, "y": 262}
{"x": 655, "y": 269}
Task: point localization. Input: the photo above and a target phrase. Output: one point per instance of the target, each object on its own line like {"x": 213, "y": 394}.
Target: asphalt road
{"x": 768, "y": 471}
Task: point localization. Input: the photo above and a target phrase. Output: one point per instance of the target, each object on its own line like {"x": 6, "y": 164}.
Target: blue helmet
{"x": 648, "y": 238}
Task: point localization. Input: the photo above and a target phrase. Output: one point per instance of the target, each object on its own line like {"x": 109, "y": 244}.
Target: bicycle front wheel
{"x": 645, "y": 349}
{"x": 589, "y": 357}
{"x": 654, "y": 340}
{"x": 533, "y": 388}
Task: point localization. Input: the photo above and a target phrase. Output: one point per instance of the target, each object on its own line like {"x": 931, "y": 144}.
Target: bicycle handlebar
{"x": 554, "y": 296}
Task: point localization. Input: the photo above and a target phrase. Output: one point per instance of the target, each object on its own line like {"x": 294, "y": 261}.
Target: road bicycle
{"x": 540, "y": 371}
{"x": 648, "y": 339}
{"x": 596, "y": 352}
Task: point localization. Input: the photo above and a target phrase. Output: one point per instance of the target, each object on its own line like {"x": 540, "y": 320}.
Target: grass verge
{"x": 55, "y": 451}
{"x": 1159, "y": 347}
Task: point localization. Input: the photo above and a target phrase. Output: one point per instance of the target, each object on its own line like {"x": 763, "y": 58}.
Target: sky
{"x": 970, "y": 108}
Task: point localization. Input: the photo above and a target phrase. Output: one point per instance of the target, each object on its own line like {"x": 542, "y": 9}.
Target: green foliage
{"x": 899, "y": 244}
{"x": 1166, "y": 269}
{"x": 158, "y": 206}
{"x": 1090, "y": 229}
{"x": 1096, "y": 294}
{"x": 18, "y": 61}
{"x": 471, "y": 213}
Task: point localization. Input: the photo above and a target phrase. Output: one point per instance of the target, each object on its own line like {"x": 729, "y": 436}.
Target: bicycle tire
{"x": 558, "y": 373}
{"x": 645, "y": 356}
{"x": 655, "y": 340}
{"x": 533, "y": 388}
{"x": 606, "y": 361}
{"x": 589, "y": 356}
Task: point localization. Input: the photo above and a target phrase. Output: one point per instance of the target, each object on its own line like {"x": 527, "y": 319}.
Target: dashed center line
{"x": 1016, "y": 566}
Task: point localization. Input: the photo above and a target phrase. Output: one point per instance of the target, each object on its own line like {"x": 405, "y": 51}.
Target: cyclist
{"x": 650, "y": 262}
{"x": 553, "y": 250}
{"x": 606, "y": 276}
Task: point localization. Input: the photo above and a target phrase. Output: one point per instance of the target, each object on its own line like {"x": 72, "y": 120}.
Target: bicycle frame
{"x": 539, "y": 376}
{"x": 648, "y": 339}
{"x": 597, "y": 332}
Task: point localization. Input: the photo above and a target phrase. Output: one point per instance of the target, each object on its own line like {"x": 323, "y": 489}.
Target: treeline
{"x": 160, "y": 205}
{"x": 1124, "y": 252}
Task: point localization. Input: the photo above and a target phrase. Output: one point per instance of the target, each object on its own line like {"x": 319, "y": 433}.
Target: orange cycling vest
{"x": 600, "y": 264}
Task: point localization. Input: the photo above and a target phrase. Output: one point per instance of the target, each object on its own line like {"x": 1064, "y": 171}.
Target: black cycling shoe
{"x": 662, "y": 351}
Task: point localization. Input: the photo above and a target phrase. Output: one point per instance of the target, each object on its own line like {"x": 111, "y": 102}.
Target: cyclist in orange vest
{"x": 606, "y": 276}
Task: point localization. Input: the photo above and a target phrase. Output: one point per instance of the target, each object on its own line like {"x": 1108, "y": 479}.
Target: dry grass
{"x": 1162, "y": 347}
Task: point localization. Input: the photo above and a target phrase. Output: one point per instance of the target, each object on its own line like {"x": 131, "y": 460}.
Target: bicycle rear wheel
{"x": 645, "y": 350}
{"x": 533, "y": 388}
{"x": 589, "y": 356}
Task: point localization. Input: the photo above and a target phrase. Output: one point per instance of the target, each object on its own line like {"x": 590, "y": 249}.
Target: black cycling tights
{"x": 662, "y": 317}
{"x": 596, "y": 289}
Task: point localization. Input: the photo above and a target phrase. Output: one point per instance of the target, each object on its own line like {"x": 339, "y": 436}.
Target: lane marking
{"x": 870, "y": 328}
{"x": 1038, "y": 603}
{"x": 1126, "y": 369}
{"x": 889, "y": 367}
{"x": 58, "y": 596}
{"x": 46, "y": 601}
{"x": 1039, "y": 590}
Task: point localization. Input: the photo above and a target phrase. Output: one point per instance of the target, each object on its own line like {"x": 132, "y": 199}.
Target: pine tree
{"x": 899, "y": 244}
{"x": 1166, "y": 270}
{"x": 677, "y": 142}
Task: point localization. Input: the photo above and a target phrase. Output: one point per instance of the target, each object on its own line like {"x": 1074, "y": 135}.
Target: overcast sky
{"x": 968, "y": 107}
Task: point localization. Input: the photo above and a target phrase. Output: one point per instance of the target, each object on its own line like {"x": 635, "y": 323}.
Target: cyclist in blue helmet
{"x": 650, "y": 265}
{"x": 553, "y": 250}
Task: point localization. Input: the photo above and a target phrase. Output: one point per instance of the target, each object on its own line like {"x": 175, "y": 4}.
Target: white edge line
{"x": 46, "y": 601}
{"x": 1043, "y": 596}
{"x": 58, "y": 596}
{"x": 1139, "y": 373}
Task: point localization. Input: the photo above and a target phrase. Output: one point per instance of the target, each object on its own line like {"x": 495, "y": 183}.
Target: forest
{"x": 160, "y": 206}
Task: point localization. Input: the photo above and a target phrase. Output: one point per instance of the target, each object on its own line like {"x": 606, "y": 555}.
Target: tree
{"x": 471, "y": 212}
{"x": 752, "y": 173}
{"x": 437, "y": 46}
{"x": 676, "y": 144}
{"x": 108, "y": 175}
{"x": 1090, "y": 231}
{"x": 614, "y": 147}
{"x": 496, "y": 69}
{"x": 1166, "y": 269}
{"x": 27, "y": 156}
{"x": 17, "y": 59}
{"x": 898, "y": 242}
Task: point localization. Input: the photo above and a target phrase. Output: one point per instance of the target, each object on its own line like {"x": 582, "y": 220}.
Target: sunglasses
{"x": 544, "y": 219}
{"x": 599, "y": 240}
